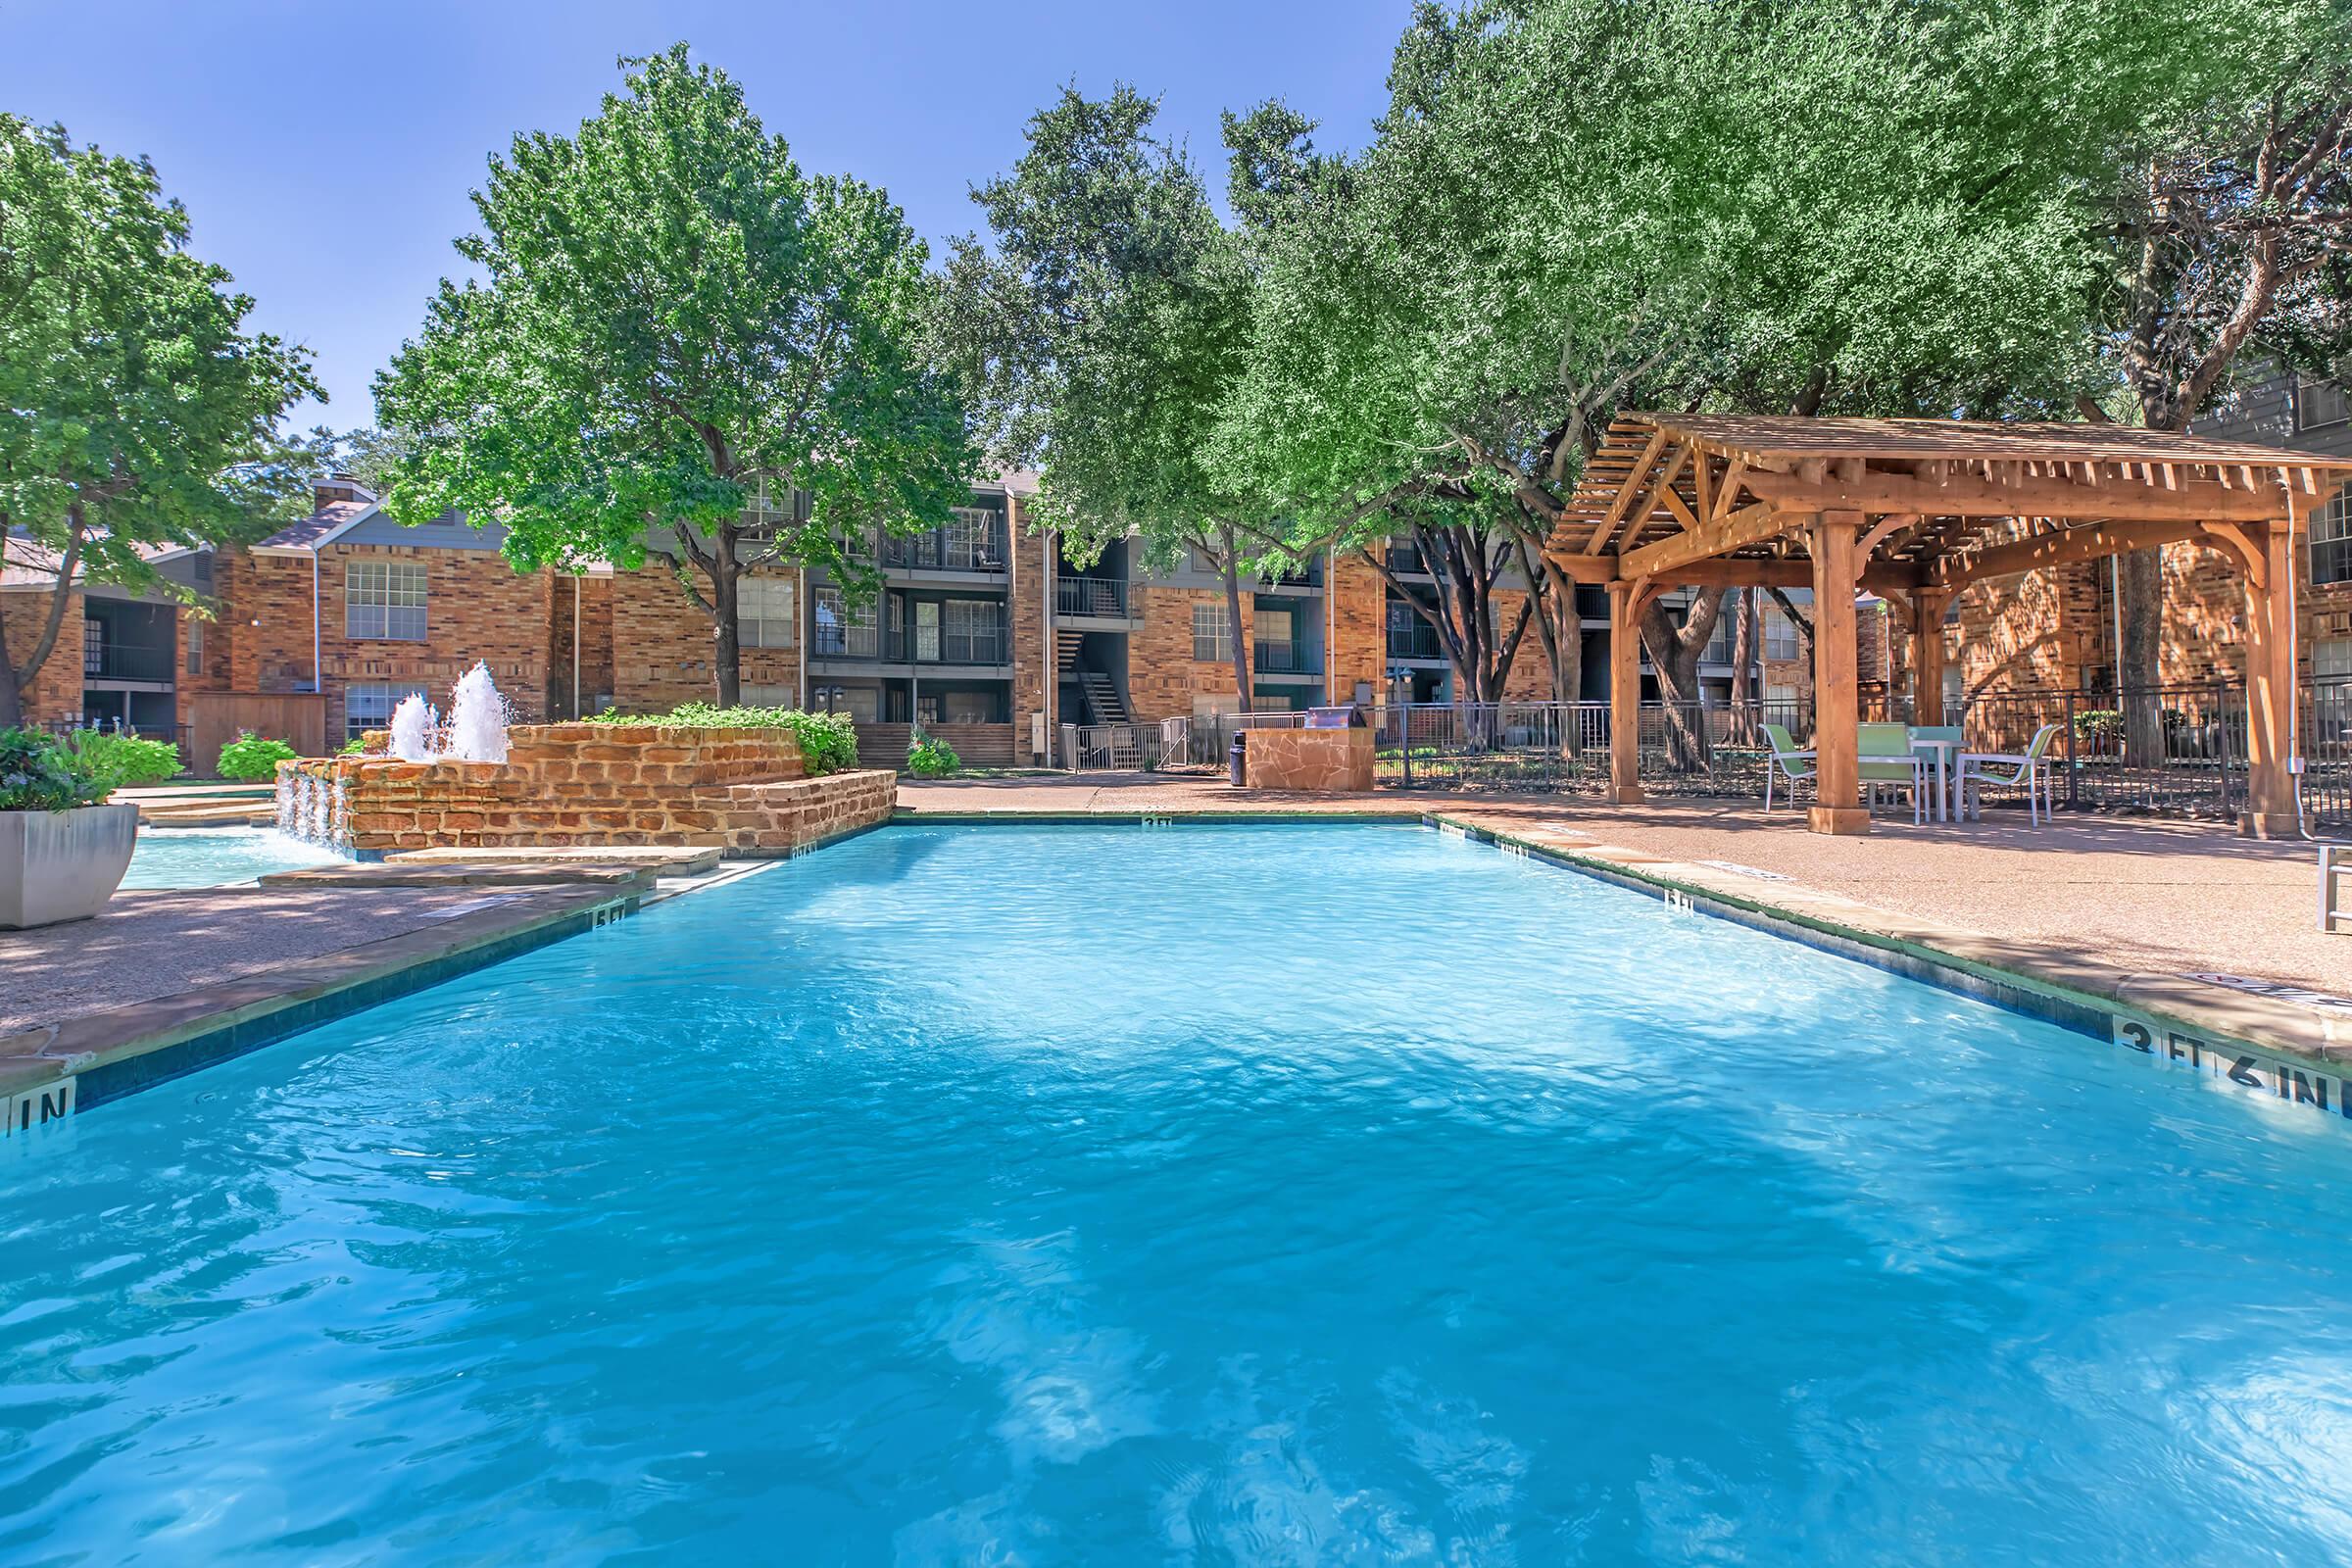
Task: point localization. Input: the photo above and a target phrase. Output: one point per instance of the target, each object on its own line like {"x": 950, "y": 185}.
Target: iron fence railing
{"x": 2179, "y": 749}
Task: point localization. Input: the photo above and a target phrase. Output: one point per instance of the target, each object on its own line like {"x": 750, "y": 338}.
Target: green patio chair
{"x": 2030, "y": 768}
{"x": 1788, "y": 760}
{"x": 1888, "y": 762}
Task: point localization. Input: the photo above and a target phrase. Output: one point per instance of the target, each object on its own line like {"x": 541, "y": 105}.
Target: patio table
{"x": 1943, "y": 749}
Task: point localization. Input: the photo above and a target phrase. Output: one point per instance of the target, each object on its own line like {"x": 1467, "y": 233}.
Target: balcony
{"x": 961, "y": 546}
{"x": 834, "y": 640}
{"x": 983, "y": 645}
{"x": 1414, "y": 639}
{"x": 1103, "y": 598}
{"x": 1284, "y": 658}
{"x": 147, "y": 661}
{"x": 1405, "y": 559}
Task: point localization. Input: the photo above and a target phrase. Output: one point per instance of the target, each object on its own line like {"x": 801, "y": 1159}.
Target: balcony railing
{"x": 1105, "y": 597}
{"x": 957, "y": 548}
{"x": 836, "y": 641}
{"x": 127, "y": 661}
{"x": 1284, "y": 658}
{"x": 985, "y": 645}
{"x": 1406, "y": 558}
{"x": 1414, "y": 639}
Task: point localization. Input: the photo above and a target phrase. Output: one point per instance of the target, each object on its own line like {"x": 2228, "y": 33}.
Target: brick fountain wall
{"x": 565, "y": 785}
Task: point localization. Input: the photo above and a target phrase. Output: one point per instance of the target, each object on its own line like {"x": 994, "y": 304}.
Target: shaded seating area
{"x": 1918, "y": 511}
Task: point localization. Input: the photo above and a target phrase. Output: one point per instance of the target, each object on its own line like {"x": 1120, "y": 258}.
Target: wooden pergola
{"x": 1919, "y": 509}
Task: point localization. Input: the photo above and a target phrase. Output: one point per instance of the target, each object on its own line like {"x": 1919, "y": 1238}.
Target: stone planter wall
{"x": 1337, "y": 761}
{"x": 585, "y": 785}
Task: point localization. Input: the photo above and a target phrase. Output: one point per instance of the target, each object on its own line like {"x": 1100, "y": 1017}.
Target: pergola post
{"x": 1927, "y": 655}
{"x": 2270, "y": 688}
{"x": 1836, "y": 682}
{"x": 1625, "y": 693}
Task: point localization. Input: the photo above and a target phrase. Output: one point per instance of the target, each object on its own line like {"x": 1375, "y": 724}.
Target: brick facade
{"x": 1164, "y": 678}
{"x": 55, "y": 694}
{"x": 1355, "y": 650}
{"x": 1032, "y": 689}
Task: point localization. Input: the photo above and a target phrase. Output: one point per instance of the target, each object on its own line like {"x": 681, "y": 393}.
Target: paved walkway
{"x": 2166, "y": 897}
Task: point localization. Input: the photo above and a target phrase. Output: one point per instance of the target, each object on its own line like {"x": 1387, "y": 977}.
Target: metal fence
{"x": 2179, "y": 749}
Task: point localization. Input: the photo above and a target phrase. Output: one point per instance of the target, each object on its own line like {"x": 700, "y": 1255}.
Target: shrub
{"x": 828, "y": 741}
{"x": 123, "y": 760}
{"x": 933, "y": 759}
{"x": 250, "y": 758}
{"x": 39, "y": 773}
{"x": 356, "y": 746}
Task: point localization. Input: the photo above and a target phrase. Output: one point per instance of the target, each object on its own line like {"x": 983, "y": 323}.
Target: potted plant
{"x": 63, "y": 851}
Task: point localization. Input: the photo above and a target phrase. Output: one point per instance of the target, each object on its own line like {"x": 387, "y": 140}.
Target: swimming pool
{"x": 1221, "y": 1194}
{"x": 216, "y": 856}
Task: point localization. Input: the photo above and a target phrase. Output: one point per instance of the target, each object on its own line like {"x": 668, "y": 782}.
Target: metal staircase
{"x": 1104, "y": 705}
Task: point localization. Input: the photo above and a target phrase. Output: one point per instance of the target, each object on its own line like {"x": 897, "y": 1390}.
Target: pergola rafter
{"x": 1919, "y": 509}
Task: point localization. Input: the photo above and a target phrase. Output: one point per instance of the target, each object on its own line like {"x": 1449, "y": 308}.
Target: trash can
{"x": 1233, "y": 758}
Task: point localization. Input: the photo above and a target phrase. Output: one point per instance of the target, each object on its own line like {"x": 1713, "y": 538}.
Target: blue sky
{"x": 324, "y": 150}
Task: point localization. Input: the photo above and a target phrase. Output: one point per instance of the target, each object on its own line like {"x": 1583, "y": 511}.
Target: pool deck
{"x": 2098, "y": 910}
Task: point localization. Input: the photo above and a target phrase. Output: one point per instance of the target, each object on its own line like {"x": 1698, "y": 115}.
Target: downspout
{"x": 318, "y": 675}
{"x": 1044, "y": 587}
{"x": 800, "y": 628}
{"x": 576, "y": 647}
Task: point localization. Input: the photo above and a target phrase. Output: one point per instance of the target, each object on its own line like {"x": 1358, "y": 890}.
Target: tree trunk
{"x": 1743, "y": 656}
{"x": 727, "y": 625}
{"x": 1232, "y": 618}
{"x": 1673, "y": 657}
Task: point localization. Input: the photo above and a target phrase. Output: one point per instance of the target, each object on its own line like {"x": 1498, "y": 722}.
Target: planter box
{"x": 63, "y": 865}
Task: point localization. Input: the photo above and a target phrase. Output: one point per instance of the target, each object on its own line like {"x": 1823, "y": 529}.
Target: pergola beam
{"x": 1972, "y": 496}
{"x": 1748, "y": 526}
{"x": 2056, "y": 549}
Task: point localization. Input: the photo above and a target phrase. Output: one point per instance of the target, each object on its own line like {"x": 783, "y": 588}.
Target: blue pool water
{"x": 1220, "y": 1196}
{"x": 215, "y": 856}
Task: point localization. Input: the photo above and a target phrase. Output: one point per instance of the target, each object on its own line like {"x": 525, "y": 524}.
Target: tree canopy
{"x": 137, "y": 413}
{"x": 671, "y": 321}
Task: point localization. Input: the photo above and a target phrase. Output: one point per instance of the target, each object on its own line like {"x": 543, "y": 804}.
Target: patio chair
{"x": 2030, "y": 768}
{"x": 1788, "y": 760}
{"x": 1888, "y": 762}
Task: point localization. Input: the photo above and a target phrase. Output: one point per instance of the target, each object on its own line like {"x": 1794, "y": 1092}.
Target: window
{"x": 367, "y": 708}
{"x": 2319, "y": 403}
{"x": 1213, "y": 634}
{"x": 93, "y": 646}
{"x": 2331, "y": 540}
{"x": 1780, "y": 635}
{"x": 975, "y": 633}
{"x": 1776, "y": 695}
{"x": 764, "y": 612}
{"x": 752, "y": 695}
{"x": 842, "y": 629}
{"x": 195, "y": 659}
{"x": 383, "y": 599}
{"x": 2332, "y": 659}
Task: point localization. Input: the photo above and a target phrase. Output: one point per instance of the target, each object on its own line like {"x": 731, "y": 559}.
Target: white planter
{"x": 63, "y": 865}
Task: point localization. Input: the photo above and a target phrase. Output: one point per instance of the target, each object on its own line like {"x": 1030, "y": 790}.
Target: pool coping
{"x": 58, "y": 1069}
